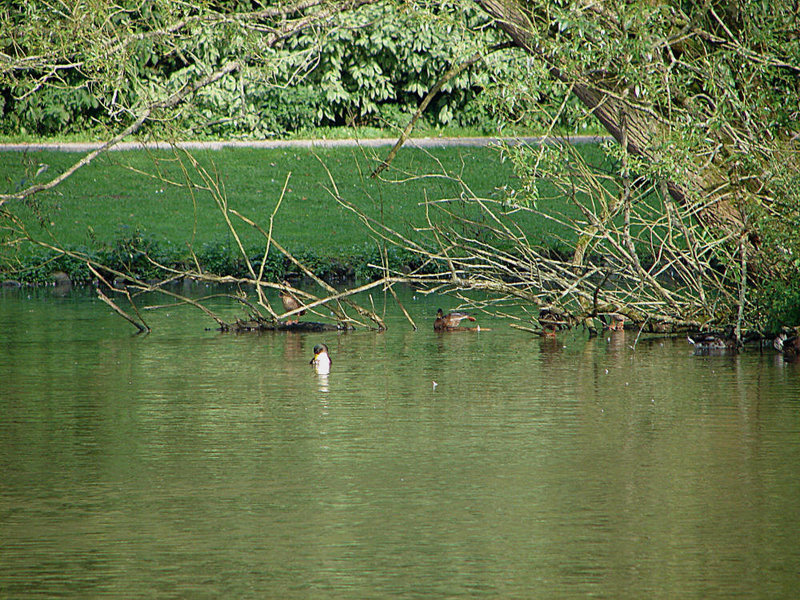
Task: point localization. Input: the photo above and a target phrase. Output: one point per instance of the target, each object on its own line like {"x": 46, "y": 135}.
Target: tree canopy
{"x": 299, "y": 66}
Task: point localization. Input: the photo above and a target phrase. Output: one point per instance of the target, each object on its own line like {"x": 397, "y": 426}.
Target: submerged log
{"x": 240, "y": 326}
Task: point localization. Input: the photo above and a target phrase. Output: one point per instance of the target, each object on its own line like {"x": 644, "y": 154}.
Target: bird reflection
{"x": 616, "y": 340}
{"x": 322, "y": 381}
{"x": 292, "y": 347}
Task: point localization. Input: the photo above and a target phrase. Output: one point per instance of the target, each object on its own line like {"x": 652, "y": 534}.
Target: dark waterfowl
{"x": 450, "y": 321}
{"x": 322, "y": 360}
{"x": 550, "y": 322}
{"x": 788, "y": 342}
{"x": 290, "y": 302}
{"x": 706, "y": 342}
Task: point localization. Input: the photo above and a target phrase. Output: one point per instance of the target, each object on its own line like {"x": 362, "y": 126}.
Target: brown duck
{"x": 550, "y": 322}
{"x": 450, "y": 321}
{"x": 290, "y": 302}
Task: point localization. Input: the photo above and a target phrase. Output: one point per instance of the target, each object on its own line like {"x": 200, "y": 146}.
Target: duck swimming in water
{"x": 322, "y": 360}
{"x": 290, "y": 302}
{"x": 450, "y": 321}
{"x": 712, "y": 342}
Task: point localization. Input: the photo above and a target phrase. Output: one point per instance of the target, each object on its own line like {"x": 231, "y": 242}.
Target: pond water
{"x": 193, "y": 464}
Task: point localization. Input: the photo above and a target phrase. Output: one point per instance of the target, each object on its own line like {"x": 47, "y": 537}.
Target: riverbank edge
{"x": 134, "y": 258}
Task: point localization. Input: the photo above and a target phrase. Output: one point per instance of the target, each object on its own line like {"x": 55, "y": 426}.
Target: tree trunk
{"x": 641, "y": 130}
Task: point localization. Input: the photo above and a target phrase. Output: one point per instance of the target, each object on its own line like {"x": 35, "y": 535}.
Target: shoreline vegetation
{"x": 422, "y": 131}
{"x": 131, "y": 207}
{"x": 323, "y": 142}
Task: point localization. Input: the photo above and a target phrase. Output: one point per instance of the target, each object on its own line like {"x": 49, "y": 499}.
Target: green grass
{"x": 113, "y": 199}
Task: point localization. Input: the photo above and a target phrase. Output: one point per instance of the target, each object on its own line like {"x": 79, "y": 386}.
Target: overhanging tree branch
{"x": 170, "y": 102}
{"x": 286, "y": 28}
{"x": 449, "y": 74}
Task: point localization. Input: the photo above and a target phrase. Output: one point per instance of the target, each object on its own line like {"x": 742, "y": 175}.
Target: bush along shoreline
{"x": 129, "y": 255}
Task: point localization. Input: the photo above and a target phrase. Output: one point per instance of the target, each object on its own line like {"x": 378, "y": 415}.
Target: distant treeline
{"x": 372, "y": 69}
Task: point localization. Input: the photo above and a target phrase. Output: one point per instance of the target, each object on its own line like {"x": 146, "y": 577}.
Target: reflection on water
{"x": 193, "y": 464}
{"x": 322, "y": 379}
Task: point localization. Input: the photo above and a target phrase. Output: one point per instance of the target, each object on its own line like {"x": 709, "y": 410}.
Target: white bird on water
{"x": 322, "y": 360}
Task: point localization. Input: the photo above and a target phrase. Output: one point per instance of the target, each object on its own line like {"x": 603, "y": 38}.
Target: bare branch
{"x": 449, "y": 74}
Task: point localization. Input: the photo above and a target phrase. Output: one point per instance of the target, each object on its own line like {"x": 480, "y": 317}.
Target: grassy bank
{"x": 421, "y": 130}
{"x": 127, "y": 201}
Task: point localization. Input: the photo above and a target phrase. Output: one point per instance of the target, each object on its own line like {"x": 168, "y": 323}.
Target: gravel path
{"x": 319, "y": 143}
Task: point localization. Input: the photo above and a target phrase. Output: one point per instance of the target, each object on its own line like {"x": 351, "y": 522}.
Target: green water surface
{"x": 193, "y": 464}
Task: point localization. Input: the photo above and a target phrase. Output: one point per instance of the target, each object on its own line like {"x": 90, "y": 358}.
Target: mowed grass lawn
{"x": 127, "y": 191}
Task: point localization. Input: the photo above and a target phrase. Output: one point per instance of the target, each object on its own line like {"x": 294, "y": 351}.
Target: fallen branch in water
{"x": 141, "y": 326}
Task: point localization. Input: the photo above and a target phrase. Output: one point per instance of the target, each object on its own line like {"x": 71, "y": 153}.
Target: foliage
{"x": 779, "y": 304}
{"x": 697, "y": 94}
{"x": 83, "y": 69}
{"x": 220, "y": 258}
{"x": 133, "y": 255}
{"x": 385, "y": 56}
{"x": 368, "y": 67}
{"x": 39, "y": 269}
